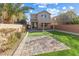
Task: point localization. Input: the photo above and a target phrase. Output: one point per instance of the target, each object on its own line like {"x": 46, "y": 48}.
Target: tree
{"x": 12, "y": 12}
{"x": 68, "y": 16}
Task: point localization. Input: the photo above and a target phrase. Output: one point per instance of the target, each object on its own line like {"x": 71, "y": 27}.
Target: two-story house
{"x": 41, "y": 20}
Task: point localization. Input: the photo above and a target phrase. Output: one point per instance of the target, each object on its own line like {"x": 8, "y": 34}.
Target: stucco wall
{"x": 46, "y": 19}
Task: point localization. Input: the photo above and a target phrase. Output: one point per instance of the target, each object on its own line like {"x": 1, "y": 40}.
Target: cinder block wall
{"x": 69, "y": 28}
{"x": 16, "y": 27}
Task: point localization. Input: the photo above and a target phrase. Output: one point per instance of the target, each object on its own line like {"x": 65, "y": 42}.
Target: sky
{"x": 53, "y": 8}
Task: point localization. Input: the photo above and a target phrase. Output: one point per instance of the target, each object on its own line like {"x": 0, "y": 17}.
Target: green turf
{"x": 71, "y": 41}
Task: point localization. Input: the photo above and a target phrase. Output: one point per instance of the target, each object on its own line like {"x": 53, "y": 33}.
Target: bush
{"x": 18, "y": 35}
{"x": 73, "y": 22}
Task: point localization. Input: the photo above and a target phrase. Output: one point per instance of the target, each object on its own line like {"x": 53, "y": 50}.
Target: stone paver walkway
{"x": 39, "y": 44}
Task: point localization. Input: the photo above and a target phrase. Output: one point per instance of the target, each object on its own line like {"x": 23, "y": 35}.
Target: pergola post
{"x": 54, "y": 24}
{"x": 43, "y": 27}
{"x": 53, "y": 27}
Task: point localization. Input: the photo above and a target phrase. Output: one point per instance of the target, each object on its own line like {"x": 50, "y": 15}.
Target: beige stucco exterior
{"x": 41, "y": 19}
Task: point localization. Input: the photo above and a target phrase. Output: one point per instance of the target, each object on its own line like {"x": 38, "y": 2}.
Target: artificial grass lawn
{"x": 71, "y": 41}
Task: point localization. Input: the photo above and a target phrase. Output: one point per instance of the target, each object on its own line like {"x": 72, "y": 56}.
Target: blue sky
{"x": 53, "y": 8}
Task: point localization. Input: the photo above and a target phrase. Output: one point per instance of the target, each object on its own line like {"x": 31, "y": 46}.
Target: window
{"x": 41, "y": 24}
{"x": 46, "y": 24}
{"x": 41, "y": 15}
{"x": 45, "y": 16}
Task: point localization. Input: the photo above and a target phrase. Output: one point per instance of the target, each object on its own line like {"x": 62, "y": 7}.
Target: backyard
{"x": 70, "y": 40}
{"x": 15, "y": 22}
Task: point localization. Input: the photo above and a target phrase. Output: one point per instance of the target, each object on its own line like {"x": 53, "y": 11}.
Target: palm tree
{"x": 12, "y": 12}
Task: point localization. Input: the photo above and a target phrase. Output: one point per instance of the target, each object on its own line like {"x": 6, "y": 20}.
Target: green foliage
{"x": 18, "y": 35}
{"x": 69, "y": 17}
{"x": 12, "y": 11}
{"x": 75, "y": 20}
{"x": 12, "y": 40}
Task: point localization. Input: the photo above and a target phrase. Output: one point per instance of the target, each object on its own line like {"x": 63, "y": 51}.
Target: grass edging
{"x": 73, "y": 33}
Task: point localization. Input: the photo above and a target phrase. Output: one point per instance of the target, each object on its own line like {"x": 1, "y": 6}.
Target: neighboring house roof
{"x": 34, "y": 14}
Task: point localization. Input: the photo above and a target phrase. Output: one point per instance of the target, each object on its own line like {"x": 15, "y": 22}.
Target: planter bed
{"x": 13, "y": 46}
